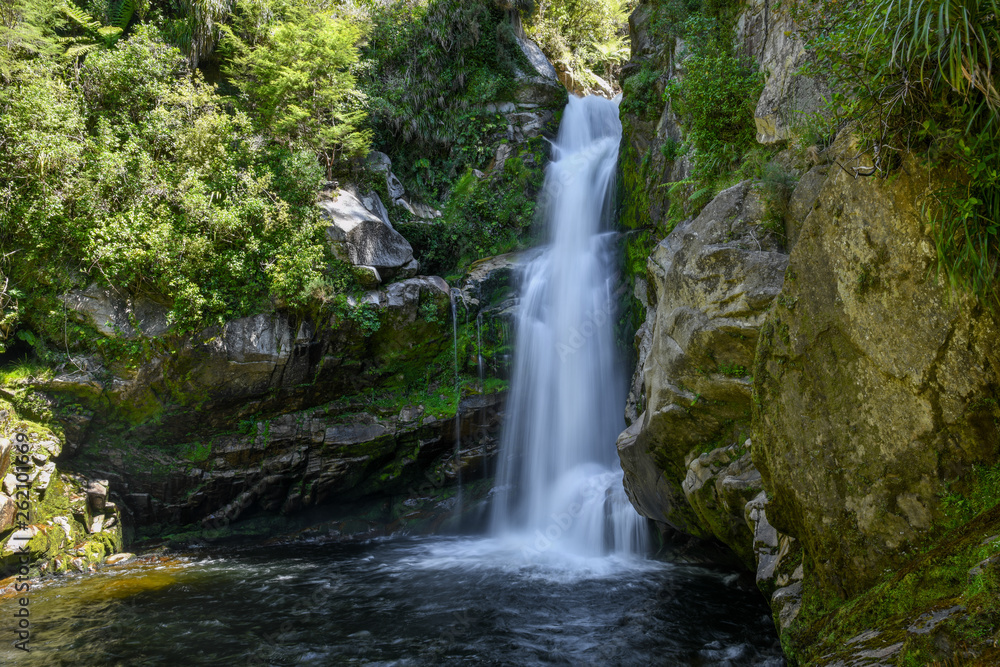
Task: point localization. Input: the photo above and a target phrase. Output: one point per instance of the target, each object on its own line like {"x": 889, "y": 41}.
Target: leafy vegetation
{"x": 483, "y": 216}
{"x": 715, "y": 102}
{"x": 920, "y": 77}
{"x": 175, "y": 151}
{"x": 429, "y": 71}
{"x": 583, "y": 37}
{"x": 300, "y": 86}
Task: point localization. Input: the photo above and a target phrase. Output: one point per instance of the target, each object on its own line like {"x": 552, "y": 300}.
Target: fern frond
{"x": 109, "y": 33}
{"x": 81, "y": 50}
{"x": 80, "y": 17}
{"x": 122, "y": 13}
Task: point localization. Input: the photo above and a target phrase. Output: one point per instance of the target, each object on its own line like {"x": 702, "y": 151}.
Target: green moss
{"x": 959, "y": 571}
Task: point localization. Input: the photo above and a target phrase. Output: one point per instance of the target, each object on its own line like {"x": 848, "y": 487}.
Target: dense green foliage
{"x": 715, "y": 102}
{"x": 432, "y": 74}
{"x": 300, "y": 86}
{"x": 921, "y": 77}
{"x": 712, "y": 91}
{"x": 584, "y": 37}
{"x": 175, "y": 151}
{"x": 483, "y": 217}
{"x": 136, "y": 173}
{"x": 429, "y": 70}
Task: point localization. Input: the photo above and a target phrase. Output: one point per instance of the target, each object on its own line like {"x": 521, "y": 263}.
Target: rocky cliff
{"x": 808, "y": 391}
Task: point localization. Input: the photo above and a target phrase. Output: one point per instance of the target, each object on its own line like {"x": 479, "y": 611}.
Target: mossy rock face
{"x": 358, "y": 449}
{"x": 874, "y": 391}
{"x": 941, "y": 607}
{"x": 266, "y": 362}
{"x": 718, "y": 485}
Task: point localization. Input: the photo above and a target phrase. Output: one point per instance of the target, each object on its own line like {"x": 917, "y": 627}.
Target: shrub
{"x": 300, "y": 88}
{"x": 142, "y": 177}
{"x": 715, "y": 100}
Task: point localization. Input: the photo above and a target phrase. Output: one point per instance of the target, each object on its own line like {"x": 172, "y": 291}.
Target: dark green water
{"x": 429, "y": 601}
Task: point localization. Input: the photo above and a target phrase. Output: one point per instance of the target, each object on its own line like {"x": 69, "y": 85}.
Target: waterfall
{"x": 559, "y": 485}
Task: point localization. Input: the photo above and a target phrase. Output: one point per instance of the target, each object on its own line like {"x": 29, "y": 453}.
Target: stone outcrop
{"x": 538, "y": 83}
{"x": 346, "y": 409}
{"x": 114, "y": 314}
{"x": 865, "y": 498}
{"x": 259, "y": 362}
{"x": 65, "y": 527}
{"x": 769, "y": 35}
{"x": 362, "y": 234}
{"x": 713, "y": 279}
{"x": 347, "y": 451}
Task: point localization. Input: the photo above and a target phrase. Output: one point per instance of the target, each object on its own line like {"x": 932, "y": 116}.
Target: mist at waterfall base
{"x": 562, "y": 574}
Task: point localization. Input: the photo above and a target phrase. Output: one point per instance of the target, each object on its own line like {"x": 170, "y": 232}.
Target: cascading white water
{"x": 558, "y": 482}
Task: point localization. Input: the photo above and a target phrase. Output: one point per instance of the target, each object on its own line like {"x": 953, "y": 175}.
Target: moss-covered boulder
{"x": 875, "y": 392}
{"x": 50, "y": 520}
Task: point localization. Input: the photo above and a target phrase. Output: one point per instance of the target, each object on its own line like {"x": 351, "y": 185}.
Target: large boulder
{"x": 875, "y": 389}
{"x": 364, "y": 235}
{"x": 537, "y": 83}
{"x": 713, "y": 279}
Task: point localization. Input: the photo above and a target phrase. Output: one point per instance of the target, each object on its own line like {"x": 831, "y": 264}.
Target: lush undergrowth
{"x": 584, "y": 38}
{"x": 174, "y": 151}
{"x": 712, "y": 91}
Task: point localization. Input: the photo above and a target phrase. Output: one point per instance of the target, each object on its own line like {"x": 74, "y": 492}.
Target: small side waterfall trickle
{"x": 457, "y": 509}
{"x": 479, "y": 349}
{"x": 559, "y": 485}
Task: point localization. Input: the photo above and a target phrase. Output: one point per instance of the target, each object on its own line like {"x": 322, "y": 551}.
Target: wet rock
{"x": 539, "y": 83}
{"x": 52, "y": 448}
{"x": 8, "y": 510}
{"x": 490, "y": 281}
{"x": 63, "y": 522}
{"x": 6, "y": 454}
{"x": 117, "y": 559}
{"x": 45, "y": 476}
{"x": 367, "y": 276}
{"x": 718, "y": 486}
{"x": 778, "y": 557}
{"x": 786, "y": 604}
{"x": 713, "y": 279}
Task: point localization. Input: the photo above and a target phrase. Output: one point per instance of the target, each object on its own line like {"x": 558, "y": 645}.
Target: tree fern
{"x": 80, "y": 18}
{"x": 121, "y": 13}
